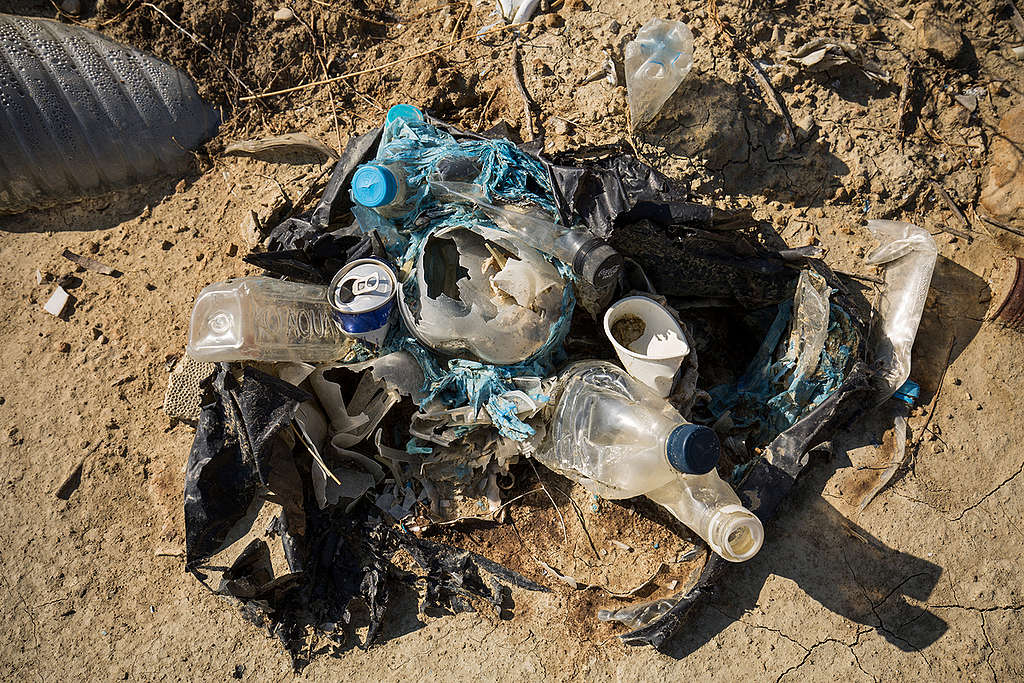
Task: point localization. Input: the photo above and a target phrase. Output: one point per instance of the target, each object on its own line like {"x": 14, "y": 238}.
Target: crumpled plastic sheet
{"x": 235, "y": 455}
{"x": 824, "y": 342}
{"x": 243, "y": 452}
{"x": 613, "y": 188}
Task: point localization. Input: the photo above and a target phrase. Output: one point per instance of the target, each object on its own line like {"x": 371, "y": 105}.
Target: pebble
{"x": 938, "y": 36}
{"x": 284, "y": 14}
{"x": 64, "y": 347}
{"x": 553, "y": 20}
{"x": 71, "y": 6}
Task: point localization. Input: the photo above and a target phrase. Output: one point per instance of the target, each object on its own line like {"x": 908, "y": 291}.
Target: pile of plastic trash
{"x": 413, "y": 336}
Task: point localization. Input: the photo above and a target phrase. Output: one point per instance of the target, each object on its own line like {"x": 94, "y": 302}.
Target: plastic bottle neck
{"x": 735, "y": 533}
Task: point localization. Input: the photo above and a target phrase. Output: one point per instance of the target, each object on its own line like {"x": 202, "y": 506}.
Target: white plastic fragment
{"x": 517, "y": 11}
{"x": 58, "y": 300}
{"x": 821, "y": 54}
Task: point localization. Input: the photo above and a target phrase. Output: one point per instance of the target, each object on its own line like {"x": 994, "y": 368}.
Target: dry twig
{"x": 766, "y": 87}
{"x": 380, "y": 67}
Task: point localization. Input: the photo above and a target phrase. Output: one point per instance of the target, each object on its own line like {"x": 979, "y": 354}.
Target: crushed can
{"x": 362, "y": 297}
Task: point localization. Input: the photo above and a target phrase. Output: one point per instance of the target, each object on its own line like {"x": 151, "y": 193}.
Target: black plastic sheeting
{"x": 239, "y": 457}
{"x": 691, "y": 252}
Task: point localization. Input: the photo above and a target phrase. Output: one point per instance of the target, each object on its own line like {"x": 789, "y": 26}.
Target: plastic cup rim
{"x": 630, "y": 352}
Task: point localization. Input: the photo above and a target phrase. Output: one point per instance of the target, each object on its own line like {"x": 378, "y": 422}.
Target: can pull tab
{"x": 367, "y": 284}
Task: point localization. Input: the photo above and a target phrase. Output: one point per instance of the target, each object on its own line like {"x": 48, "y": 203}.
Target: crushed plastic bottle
{"x": 383, "y": 188}
{"x": 657, "y": 61}
{"x": 619, "y": 439}
{"x": 908, "y": 254}
{"x": 263, "y": 318}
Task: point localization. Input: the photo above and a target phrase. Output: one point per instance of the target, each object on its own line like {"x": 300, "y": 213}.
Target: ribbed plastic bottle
{"x": 619, "y": 439}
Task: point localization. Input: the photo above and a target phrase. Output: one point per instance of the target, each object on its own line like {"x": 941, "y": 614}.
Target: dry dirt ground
{"x": 926, "y": 583}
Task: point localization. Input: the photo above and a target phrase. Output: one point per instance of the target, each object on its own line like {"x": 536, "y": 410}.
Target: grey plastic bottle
{"x": 82, "y": 115}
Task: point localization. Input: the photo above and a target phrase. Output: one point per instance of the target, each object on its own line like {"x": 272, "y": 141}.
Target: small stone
{"x": 615, "y": 27}
{"x": 553, "y": 20}
{"x": 71, "y": 7}
{"x": 938, "y": 37}
{"x": 180, "y": 187}
{"x": 232, "y": 250}
{"x": 938, "y": 448}
{"x": 64, "y": 347}
{"x": 284, "y": 14}
{"x": 166, "y": 244}
{"x": 94, "y": 247}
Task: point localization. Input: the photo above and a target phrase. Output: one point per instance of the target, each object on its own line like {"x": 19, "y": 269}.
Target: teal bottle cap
{"x": 403, "y": 111}
{"x": 374, "y": 185}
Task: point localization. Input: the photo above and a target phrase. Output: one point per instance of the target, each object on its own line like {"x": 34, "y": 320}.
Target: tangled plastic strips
{"x": 507, "y": 175}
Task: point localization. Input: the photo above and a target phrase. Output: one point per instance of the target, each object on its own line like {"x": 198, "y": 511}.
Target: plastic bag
{"x": 908, "y": 254}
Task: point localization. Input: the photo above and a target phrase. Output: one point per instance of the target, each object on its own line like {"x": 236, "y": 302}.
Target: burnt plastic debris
{"x": 249, "y": 448}
{"x": 86, "y": 115}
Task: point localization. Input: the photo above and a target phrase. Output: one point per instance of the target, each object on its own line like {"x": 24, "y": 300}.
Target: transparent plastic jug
{"x": 656, "y": 62}
{"x": 263, "y": 318}
{"x": 619, "y": 439}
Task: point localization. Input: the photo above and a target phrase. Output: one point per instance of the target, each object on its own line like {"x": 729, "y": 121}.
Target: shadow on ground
{"x": 743, "y": 143}
{"x": 95, "y": 213}
{"x": 836, "y": 562}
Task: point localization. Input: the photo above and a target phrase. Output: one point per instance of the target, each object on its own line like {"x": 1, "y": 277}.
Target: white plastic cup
{"x": 654, "y": 357}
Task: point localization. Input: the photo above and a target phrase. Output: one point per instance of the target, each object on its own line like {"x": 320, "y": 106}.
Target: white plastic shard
{"x": 58, "y": 300}
{"x": 398, "y": 370}
{"x": 484, "y": 295}
{"x": 354, "y": 422}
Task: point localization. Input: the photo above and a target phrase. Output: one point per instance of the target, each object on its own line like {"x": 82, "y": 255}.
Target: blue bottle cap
{"x": 403, "y": 111}
{"x": 693, "y": 449}
{"x": 374, "y": 185}
{"x": 909, "y": 392}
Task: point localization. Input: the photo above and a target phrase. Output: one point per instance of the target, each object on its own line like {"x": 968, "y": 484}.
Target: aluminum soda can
{"x": 362, "y": 297}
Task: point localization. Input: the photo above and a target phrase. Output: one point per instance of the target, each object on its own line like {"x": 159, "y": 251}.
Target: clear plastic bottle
{"x": 619, "y": 439}
{"x": 263, "y": 318}
{"x": 591, "y": 258}
{"x": 383, "y": 188}
{"x": 405, "y": 112}
{"x": 656, "y": 62}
